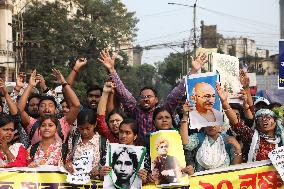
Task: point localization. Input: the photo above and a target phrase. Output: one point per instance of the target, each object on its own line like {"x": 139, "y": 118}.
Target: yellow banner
{"x": 259, "y": 175}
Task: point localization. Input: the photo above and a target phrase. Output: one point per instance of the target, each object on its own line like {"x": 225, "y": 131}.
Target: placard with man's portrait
{"x": 125, "y": 161}
{"x": 203, "y": 96}
{"x": 168, "y": 159}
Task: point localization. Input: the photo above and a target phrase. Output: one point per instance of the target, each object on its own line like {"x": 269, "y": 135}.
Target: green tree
{"x": 170, "y": 69}
{"x": 63, "y": 33}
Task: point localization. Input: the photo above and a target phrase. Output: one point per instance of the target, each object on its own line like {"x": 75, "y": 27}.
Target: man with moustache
{"x": 142, "y": 110}
{"x": 47, "y": 107}
{"x": 205, "y": 115}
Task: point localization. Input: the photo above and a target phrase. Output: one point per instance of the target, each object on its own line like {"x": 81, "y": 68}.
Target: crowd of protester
{"x": 42, "y": 129}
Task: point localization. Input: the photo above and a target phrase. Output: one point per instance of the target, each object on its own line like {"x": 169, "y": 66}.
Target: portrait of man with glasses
{"x": 204, "y": 98}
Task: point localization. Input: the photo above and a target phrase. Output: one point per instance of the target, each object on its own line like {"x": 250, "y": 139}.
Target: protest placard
{"x": 202, "y": 95}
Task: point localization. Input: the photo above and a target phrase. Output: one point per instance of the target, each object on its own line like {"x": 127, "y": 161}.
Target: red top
{"x": 21, "y": 156}
{"x": 104, "y": 130}
{"x": 246, "y": 134}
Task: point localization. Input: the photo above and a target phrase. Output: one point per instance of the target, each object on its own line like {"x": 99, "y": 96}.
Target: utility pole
{"x": 194, "y": 29}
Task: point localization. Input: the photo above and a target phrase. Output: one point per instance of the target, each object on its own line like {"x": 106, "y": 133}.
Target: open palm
{"x": 198, "y": 62}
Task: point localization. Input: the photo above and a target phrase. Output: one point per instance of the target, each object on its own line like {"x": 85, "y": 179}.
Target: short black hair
{"x": 116, "y": 111}
{"x": 34, "y": 96}
{"x": 133, "y": 124}
{"x": 163, "y": 109}
{"x": 94, "y": 88}
{"x": 150, "y": 88}
{"x": 86, "y": 116}
{"x": 240, "y": 108}
{"x": 5, "y": 119}
{"x": 47, "y": 97}
{"x": 63, "y": 100}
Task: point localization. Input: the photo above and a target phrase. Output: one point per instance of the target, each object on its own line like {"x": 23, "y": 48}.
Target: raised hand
{"x": 59, "y": 77}
{"x": 33, "y": 81}
{"x": 243, "y": 96}
{"x": 109, "y": 87}
{"x": 244, "y": 79}
{"x": 107, "y": 60}
{"x": 41, "y": 80}
{"x": 233, "y": 141}
{"x": 81, "y": 62}
{"x": 198, "y": 62}
{"x": 3, "y": 88}
{"x": 187, "y": 108}
{"x": 223, "y": 94}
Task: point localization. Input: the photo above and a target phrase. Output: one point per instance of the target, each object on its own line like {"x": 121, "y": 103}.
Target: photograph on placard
{"x": 125, "y": 161}
{"x": 202, "y": 95}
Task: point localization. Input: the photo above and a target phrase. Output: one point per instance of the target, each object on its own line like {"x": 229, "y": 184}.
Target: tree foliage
{"x": 170, "y": 69}
{"x": 77, "y": 28}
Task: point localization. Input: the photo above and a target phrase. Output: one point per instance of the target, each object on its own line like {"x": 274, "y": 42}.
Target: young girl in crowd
{"x": 11, "y": 155}
{"x": 48, "y": 151}
{"x": 115, "y": 117}
{"x": 88, "y": 141}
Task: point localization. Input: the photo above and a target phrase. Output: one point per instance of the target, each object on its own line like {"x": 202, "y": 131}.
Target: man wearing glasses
{"x": 142, "y": 109}
{"x": 205, "y": 114}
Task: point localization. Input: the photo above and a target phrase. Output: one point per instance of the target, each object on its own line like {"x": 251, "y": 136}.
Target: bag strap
{"x": 35, "y": 126}
{"x": 33, "y": 150}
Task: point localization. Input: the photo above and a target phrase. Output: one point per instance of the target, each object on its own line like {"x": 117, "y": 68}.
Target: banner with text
{"x": 258, "y": 175}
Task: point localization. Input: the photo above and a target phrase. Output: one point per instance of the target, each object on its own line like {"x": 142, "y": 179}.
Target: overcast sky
{"x": 163, "y": 23}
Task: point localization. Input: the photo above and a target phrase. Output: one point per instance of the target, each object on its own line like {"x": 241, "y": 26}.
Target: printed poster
{"x": 277, "y": 158}
{"x": 82, "y": 167}
{"x": 168, "y": 159}
{"x": 202, "y": 95}
{"x": 126, "y": 161}
{"x": 228, "y": 68}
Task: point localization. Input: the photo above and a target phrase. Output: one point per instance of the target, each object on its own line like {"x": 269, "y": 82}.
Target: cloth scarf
{"x": 211, "y": 156}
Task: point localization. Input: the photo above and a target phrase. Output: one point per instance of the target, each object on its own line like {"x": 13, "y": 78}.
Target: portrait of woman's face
{"x": 123, "y": 167}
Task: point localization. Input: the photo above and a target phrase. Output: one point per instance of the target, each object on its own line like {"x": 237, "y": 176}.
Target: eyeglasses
{"x": 115, "y": 121}
{"x": 207, "y": 96}
{"x": 266, "y": 117}
{"x": 145, "y": 97}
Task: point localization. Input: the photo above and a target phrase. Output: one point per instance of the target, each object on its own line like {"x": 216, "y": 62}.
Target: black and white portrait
{"x": 125, "y": 161}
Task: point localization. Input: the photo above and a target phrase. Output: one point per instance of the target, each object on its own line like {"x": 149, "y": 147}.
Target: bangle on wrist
{"x": 238, "y": 154}
{"x": 64, "y": 85}
{"x": 76, "y": 71}
{"x": 225, "y": 110}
